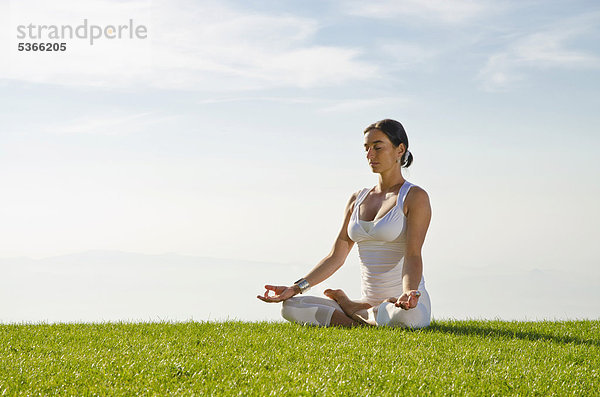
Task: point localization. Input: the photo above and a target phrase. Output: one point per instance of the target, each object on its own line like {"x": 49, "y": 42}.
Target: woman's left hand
{"x": 407, "y": 300}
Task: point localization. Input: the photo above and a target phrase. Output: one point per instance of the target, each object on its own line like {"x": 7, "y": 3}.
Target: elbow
{"x": 338, "y": 256}
{"x": 413, "y": 260}
{"x": 413, "y": 254}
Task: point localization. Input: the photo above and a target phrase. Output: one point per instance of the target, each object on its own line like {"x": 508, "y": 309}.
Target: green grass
{"x": 235, "y": 358}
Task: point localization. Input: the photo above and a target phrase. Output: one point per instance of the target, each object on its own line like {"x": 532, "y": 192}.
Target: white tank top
{"x": 381, "y": 248}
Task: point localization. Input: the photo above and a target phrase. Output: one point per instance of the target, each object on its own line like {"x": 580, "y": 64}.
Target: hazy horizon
{"x": 104, "y": 285}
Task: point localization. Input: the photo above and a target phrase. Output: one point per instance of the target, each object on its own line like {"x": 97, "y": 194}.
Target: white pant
{"x": 318, "y": 311}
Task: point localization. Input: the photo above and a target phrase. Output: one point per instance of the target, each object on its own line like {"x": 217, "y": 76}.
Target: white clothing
{"x": 309, "y": 310}
{"x": 381, "y": 248}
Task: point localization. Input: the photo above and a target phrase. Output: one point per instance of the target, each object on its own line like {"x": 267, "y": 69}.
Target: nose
{"x": 370, "y": 153}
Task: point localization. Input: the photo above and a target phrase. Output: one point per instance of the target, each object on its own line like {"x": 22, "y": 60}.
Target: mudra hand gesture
{"x": 407, "y": 300}
{"x": 281, "y": 293}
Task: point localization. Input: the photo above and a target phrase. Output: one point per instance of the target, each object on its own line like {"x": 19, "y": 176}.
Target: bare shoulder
{"x": 416, "y": 198}
{"x": 351, "y": 201}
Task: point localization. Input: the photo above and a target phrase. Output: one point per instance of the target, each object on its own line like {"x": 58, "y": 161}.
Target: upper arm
{"x": 418, "y": 218}
{"x": 343, "y": 244}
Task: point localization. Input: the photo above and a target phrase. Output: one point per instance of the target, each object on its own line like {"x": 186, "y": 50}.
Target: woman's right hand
{"x": 407, "y": 300}
{"x": 281, "y": 293}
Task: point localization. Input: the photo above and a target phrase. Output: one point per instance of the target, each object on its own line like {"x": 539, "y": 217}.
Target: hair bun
{"x": 408, "y": 159}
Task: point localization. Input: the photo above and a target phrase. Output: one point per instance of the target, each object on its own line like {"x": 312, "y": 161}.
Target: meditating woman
{"x": 388, "y": 222}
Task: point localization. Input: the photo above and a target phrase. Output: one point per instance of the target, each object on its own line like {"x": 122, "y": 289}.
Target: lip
{"x": 373, "y": 163}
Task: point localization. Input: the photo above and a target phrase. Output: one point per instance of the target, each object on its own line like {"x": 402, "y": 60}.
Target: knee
{"x": 295, "y": 309}
{"x": 390, "y": 315}
{"x": 300, "y": 310}
{"x": 287, "y": 309}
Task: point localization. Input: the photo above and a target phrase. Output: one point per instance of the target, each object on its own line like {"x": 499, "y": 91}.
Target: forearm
{"x": 412, "y": 272}
{"x": 324, "y": 269}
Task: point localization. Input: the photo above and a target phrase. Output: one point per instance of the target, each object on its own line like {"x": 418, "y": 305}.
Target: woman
{"x": 389, "y": 223}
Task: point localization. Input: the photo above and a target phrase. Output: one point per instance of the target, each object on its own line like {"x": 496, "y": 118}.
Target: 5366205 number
{"x": 42, "y": 46}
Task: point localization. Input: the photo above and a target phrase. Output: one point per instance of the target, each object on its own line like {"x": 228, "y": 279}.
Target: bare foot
{"x": 336, "y": 294}
{"x": 350, "y": 307}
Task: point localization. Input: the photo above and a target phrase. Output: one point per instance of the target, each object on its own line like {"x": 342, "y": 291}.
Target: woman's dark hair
{"x": 395, "y": 132}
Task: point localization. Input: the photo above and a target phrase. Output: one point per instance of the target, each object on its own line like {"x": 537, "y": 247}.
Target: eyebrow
{"x": 374, "y": 142}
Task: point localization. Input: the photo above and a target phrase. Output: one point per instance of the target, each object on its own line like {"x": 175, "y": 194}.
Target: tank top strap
{"x": 361, "y": 195}
{"x": 403, "y": 192}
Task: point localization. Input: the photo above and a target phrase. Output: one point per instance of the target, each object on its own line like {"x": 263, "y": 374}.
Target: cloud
{"x": 190, "y": 46}
{"x": 406, "y": 55}
{"x": 353, "y": 105}
{"x": 107, "y": 125}
{"x": 324, "y": 105}
{"x": 450, "y": 12}
{"x": 547, "y": 49}
{"x": 305, "y": 100}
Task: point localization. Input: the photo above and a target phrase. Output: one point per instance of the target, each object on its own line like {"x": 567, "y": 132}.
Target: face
{"x": 381, "y": 153}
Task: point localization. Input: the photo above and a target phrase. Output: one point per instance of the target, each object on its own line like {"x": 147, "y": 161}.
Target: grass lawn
{"x": 236, "y": 358}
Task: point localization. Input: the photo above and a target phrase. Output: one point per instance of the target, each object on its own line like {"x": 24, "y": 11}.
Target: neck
{"x": 389, "y": 179}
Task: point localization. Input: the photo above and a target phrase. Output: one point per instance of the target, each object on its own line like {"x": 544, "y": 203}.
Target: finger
{"x": 403, "y": 302}
{"x": 414, "y": 301}
{"x": 270, "y": 287}
{"x": 269, "y": 299}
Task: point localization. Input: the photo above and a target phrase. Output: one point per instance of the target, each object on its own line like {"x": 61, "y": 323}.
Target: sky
{"x": 232, "y": 133}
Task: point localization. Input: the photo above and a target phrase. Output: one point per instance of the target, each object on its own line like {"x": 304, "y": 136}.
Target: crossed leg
{"x": 341, "y": 319}
{"x": 358, "y": 312}
{"x": 386, "y": 313}
{"x": 337, "y": 310}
